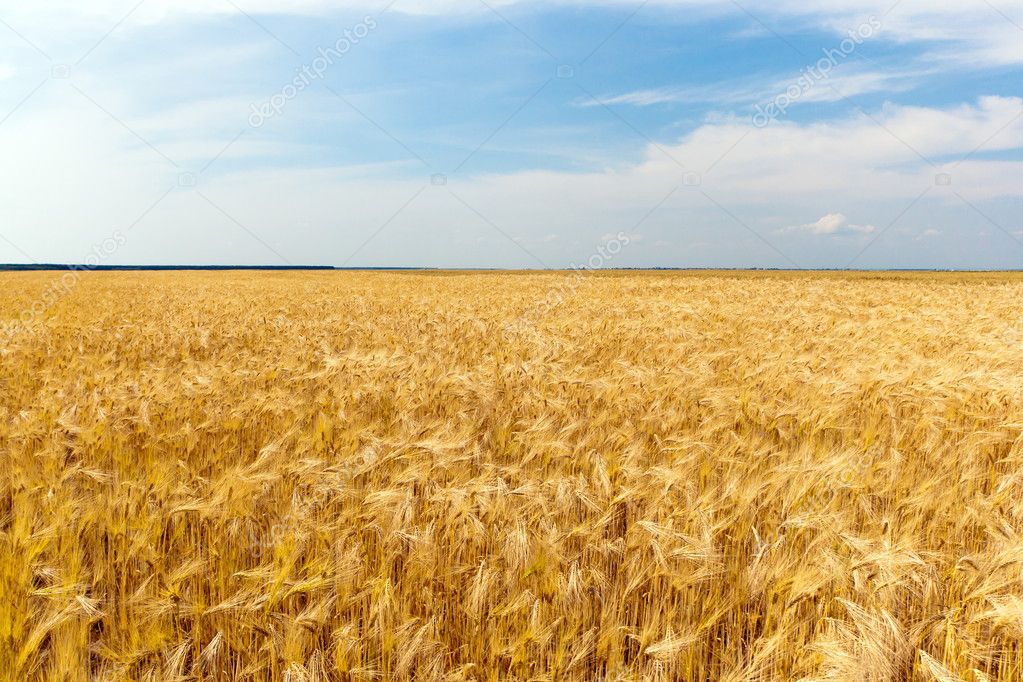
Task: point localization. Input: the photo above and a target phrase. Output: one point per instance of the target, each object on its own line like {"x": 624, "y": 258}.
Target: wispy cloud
{"x": 850, "y": 82}
{"x": 841, "y": 86}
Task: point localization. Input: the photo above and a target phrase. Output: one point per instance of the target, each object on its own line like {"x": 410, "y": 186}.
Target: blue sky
{"x": 510, "y": 133}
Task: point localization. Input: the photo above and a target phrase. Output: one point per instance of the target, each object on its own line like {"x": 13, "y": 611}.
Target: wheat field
{"x": 518, "y": 476}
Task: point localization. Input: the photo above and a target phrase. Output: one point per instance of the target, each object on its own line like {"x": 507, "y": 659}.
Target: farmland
{"x": 511, "y": 476}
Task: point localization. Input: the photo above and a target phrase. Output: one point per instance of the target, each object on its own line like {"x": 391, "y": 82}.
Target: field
{"x": 528, "y": 476}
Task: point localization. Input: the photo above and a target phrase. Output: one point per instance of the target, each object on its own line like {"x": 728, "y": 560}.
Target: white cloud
{"x": 6, "y": 71}
{"x": 867, "y": 156}
{"x": 828, "y": 224}
{"x": 832, "y": 223}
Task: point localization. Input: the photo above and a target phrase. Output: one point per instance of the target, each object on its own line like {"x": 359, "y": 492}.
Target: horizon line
{"x": 79, "y": 267}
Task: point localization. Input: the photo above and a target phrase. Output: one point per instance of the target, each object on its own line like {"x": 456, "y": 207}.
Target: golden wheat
{"x": 380, "y": 476}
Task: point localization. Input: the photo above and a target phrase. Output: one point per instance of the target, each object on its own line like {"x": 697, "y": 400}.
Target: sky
{"x": 513, "y": 133}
